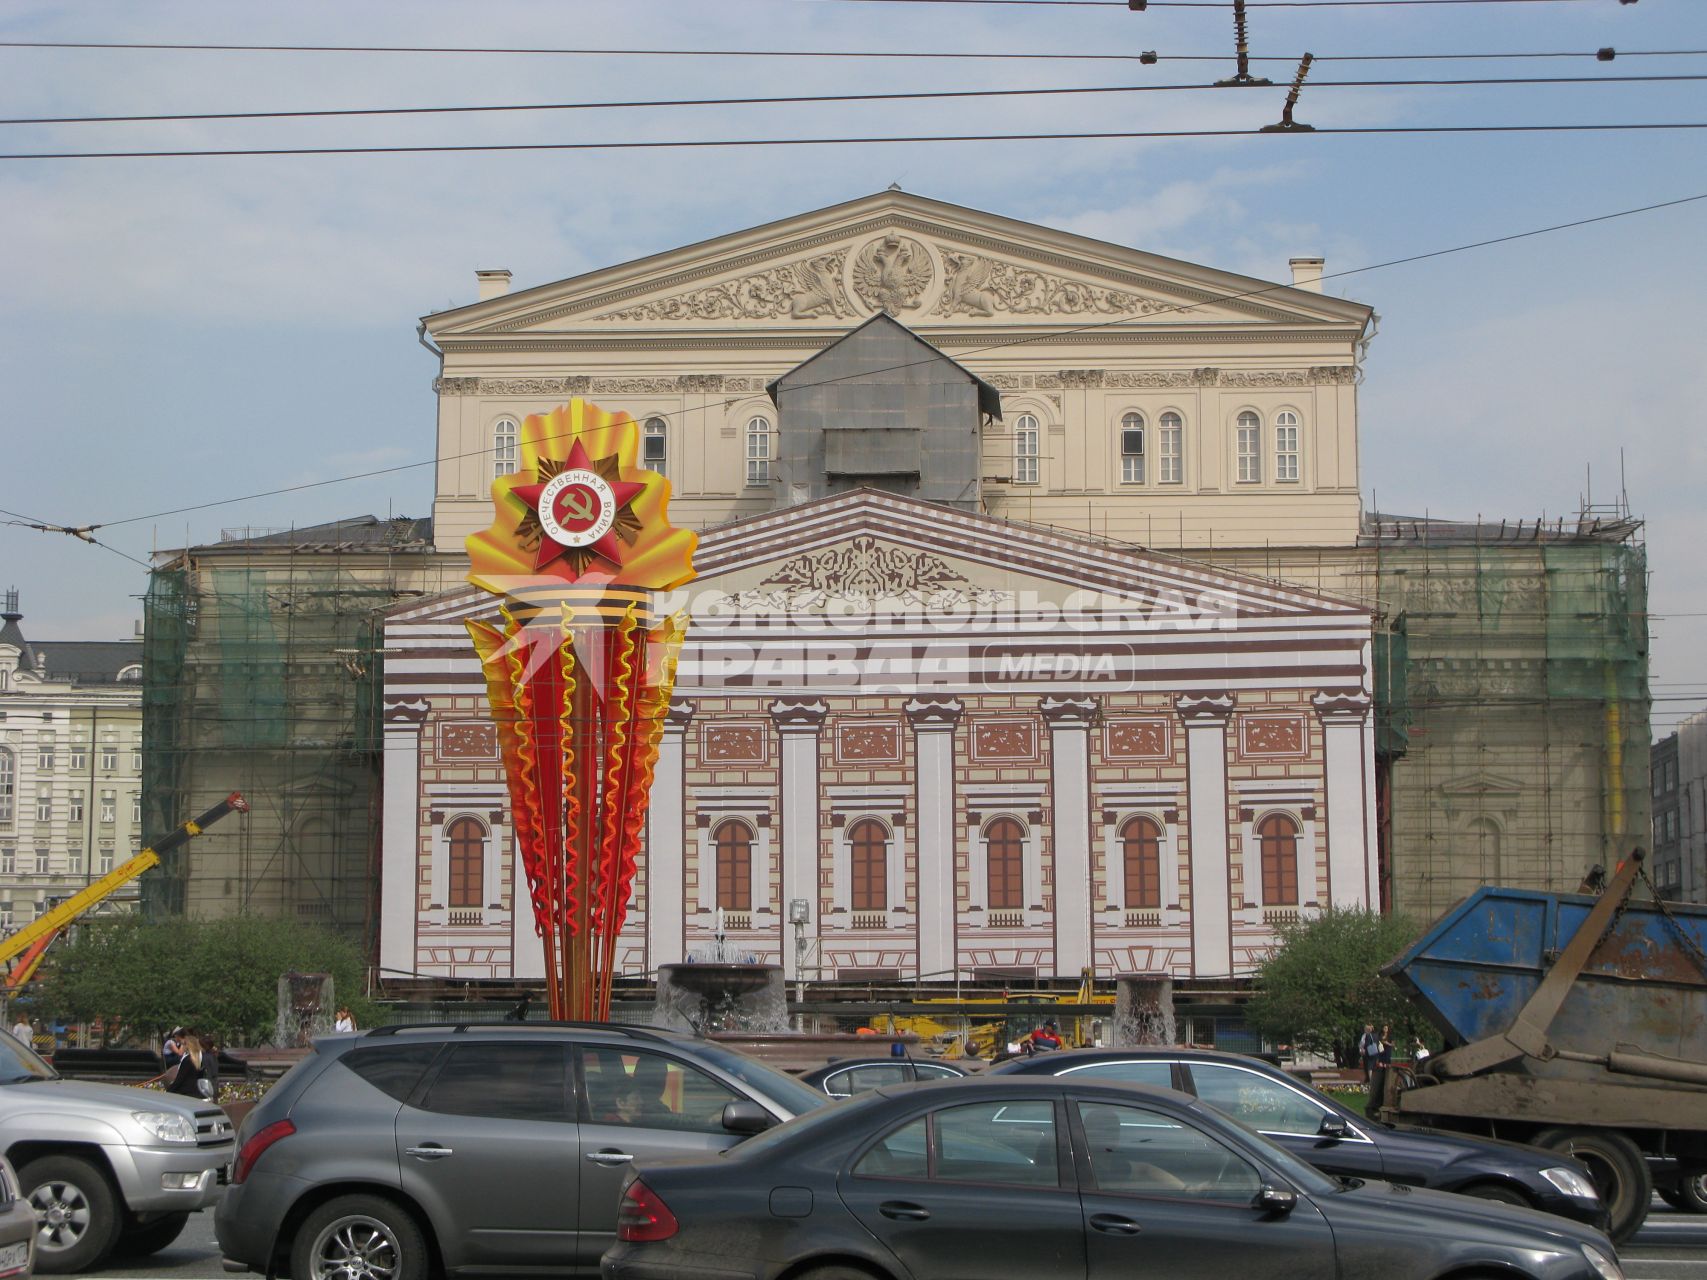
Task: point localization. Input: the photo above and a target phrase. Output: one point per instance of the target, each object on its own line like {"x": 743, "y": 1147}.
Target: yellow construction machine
{"x": 984, "y": 1026}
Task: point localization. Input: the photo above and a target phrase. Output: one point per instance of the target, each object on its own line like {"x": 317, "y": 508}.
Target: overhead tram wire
{"x": 1206, "y": 4}
{"x": 731, "y": 143}
{"x": 994, "y": 346}
{"x": 801, "y": 99}
{"x": 932, "y": 56}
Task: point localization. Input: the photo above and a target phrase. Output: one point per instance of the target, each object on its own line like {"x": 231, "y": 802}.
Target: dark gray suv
{"x": 404, "y": 1151}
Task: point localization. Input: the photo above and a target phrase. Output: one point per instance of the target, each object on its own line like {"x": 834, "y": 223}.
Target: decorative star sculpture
{"x": 578, "y": 508}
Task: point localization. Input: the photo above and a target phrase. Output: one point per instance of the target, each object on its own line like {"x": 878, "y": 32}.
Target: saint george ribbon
{"x": 579, "y": 675}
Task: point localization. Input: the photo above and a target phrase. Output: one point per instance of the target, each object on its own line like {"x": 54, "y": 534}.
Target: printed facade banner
{"x": 579, "y": 676}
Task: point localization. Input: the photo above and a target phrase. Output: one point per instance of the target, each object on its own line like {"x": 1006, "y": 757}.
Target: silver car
{"x": 409, "y": 1151}
{"x": 17, "y": 1227}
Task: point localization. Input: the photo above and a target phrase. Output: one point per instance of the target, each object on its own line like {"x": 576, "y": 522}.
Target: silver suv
{"x": 105, "y": 1167}
{"x": 406, "y": 1151}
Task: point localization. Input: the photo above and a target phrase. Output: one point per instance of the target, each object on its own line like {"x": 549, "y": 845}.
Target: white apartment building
{"x": 70, "y": 765}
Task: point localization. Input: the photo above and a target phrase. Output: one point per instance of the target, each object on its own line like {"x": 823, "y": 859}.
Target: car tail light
{"x": 643, "y": 1216}
{"x": 253, "y": 1148}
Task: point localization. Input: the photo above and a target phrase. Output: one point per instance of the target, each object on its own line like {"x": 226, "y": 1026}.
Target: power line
{"x": 1205, "y": 4}
{"x": 728, "y": 143}
{"x": 934, "y": 56}
{"x": 799, "y": 99}
{"x": 995, "y": 346}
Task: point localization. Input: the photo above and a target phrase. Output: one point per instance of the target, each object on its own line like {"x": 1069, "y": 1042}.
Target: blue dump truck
{"x": 1575, "y": 1022}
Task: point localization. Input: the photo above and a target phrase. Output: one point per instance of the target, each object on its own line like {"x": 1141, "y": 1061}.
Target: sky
{"x": 181, "y": 331}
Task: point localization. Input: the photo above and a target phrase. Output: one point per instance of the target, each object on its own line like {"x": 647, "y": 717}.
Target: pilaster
{"x": 1205, "y": 718}
{"x": 934, "y": 721}
{"x": 1345, "y": 719}
{"x": 400, "y": 833}
{"x": 666, "y": 842}
{"x": 1070, "y": 721}
{"x": 798, "y": 722}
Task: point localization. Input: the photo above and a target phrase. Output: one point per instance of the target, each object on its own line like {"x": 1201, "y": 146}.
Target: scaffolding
{"x": 1511, "y": 703}
{"x": 263, "y": 673}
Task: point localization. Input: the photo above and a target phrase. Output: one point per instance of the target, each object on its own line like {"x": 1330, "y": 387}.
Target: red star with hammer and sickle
{"x": 624, "y": 525}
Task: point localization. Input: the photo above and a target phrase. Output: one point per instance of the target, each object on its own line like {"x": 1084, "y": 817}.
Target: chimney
{"x": 493, "y": 284}
{"x": 1307, "y": 273}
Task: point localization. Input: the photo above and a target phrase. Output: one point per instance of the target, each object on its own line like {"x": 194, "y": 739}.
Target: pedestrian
{"x": 1419, "y": 1051}
{"x": 187, "y": 1077}
{"x": 1368, "y": 1049}
{"x": 345, "y": 1021}
{"x": 172, "y": 1048}
{"x": 520, "y": 1012}
{"x": 22, "y": 1030}
{"x": 1382, "y": 1069}
{"x": 210, "y": 1067}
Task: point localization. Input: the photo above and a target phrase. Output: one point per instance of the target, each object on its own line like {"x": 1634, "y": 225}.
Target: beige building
{"x": 70, "y": 766}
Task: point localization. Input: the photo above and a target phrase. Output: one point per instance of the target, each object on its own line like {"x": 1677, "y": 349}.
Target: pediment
{"x": 927, "y": 263}
{"x": 868, "y": 555}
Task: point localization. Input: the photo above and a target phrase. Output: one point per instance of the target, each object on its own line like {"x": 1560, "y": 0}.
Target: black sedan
{"x": 1334, "y": 1138}
{"x": 1002, "y": 1176}
{"x": 845, "y": 1077}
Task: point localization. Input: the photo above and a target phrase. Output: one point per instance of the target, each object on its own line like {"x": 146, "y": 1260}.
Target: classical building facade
{"x": 70, "y": 766}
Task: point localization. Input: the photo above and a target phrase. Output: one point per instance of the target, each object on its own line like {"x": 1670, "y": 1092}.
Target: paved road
{"x": 1672, "y": 1246}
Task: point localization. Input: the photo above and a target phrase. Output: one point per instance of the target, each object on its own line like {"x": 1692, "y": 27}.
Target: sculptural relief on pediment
{"x": 809, "y": 289}
{"x": 975, "y": 285}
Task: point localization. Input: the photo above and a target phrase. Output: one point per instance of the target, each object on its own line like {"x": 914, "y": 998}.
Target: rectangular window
{"x": 136, "y": 809}
{"x": 44, "y": 805}
{"x": 1250, "y": 450}
{"x": 74, "y": 861}
{"x": 44, "y": 753}
{"x": 8, "y": 861}
{"x": 1172, "y": 450}
{"x": 79, "y": 756}
{"x": 76, "y": 813}
{"x": 1286, "y": 448}
{"x": 136, "y": 760}
{"x": 109, "y": 806}
{"x": 109, "y": 755}
{"x": 106, "y": 863}
{"x": 41, "y": 862}
{"x": 758, "y": 452}
{"x": 1025, "y": 450}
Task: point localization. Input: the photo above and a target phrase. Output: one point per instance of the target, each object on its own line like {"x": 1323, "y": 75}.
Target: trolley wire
{"x": 801, "y": 99}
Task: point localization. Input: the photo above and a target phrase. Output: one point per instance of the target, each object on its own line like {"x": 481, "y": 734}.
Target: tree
{"x": 1322, "y": 983}
{"x": 142, "y": 979}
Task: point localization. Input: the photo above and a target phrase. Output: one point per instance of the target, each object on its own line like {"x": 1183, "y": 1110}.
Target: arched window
{"x": 654, "y": 445}
{"x": 733, "y": 841}
{"x": 759, "y": 450}
{"x": 1025, "y": 449}
{"x": 1004, "y": 845}
{"x": 1141, "y": 847}
{"x": 130, "y": 673}
{"x": 1249, "y": 450}
{"x": 1172, "y": 450}
{"x": 868, "y": 847}
{"x": 1486, "y": 833}
{"x": 1278, "y": 835}
{"x": 1132, "y": 449}
{"x": 467, "y": 838}
{"x": 8, "y": 787}
{"x": 1286, "y": 445}
{"x": 506, "y": 455}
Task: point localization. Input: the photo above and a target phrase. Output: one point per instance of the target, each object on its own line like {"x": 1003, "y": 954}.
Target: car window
{"x": 900, "y": 1155}
{"x": 517, "y": 1081}
{"x": 873, "y": 1076}
{"x": 19, "y": 1062}
{"x": 930, "y": 1071}
{"x": 785, "y": 1090}
{"x": 1255, "y": 1100}
{"x": 394, "y": 1069}
{"x": 1136, "y": 1151}
{"x": 1008, "y": 1142}
{"x": 649, "y": 1091}
{"x": 1161, "y": 1073}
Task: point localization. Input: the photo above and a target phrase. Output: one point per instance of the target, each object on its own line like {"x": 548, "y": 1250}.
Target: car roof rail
{"x": 660, "y": 1034}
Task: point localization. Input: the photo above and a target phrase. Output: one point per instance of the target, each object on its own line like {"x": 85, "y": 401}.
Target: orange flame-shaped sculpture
{"x": 579, "y": 677}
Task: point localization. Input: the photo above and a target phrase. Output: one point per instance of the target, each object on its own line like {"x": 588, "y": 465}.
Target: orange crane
{"x": 28, "y": 945}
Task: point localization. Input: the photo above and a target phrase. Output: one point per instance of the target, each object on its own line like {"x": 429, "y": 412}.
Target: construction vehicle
{"x": 1574, "y": 1023}
{"x": 24, "y": 949}
{"x": 983, "y": 1027}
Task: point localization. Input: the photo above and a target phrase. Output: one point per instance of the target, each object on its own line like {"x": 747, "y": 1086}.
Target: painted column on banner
{"x": 1345, "y": 716}
{"x": 798, "y": 722}
{"x": 400, "y": 836}
{"x": 665, "y": 843}
{"x": 1070, "y": 721}
{"x": 1205, "y": 719}
{"x": 934, "y": 721}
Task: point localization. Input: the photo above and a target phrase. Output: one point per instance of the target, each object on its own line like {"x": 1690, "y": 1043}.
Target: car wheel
{"x": 359, "y": 1238}
{"x": 139, "y": 1239}
{"x": 1498, "y": 1192}
{"x": 1619, "y": 1172}
{"x": 1692, "y": 1193}
{"x": 77, "y": 1218}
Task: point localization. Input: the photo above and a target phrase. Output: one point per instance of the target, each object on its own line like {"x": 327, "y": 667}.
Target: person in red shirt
{"x": 1046, "y": 1037}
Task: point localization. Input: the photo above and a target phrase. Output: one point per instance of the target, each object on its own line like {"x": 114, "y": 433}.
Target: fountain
{"x": 1144, "y": 1009}
{"x": 306, "y": 1006}
{"x": 718, "y": 993}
